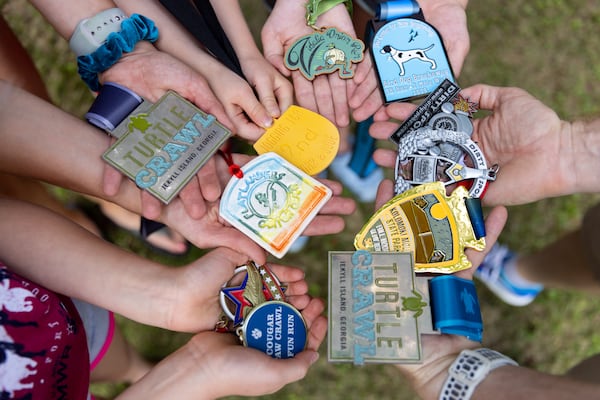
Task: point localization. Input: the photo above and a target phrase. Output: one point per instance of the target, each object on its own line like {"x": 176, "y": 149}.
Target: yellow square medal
{"x": 425, "y": 221}
{"x": 273, "y": 202}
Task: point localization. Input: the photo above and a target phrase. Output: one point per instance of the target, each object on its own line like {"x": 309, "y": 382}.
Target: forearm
{"x": 182, "y": 375}
{"x": 175, "y": 40}
{"x": 585, "y": 156}
{"x": 60, "y": 255}
{"x": 429, "y": 5}
{"x": 43, "y": 142}
{"x": 505, "y": 382}
{"x": 522, "y": 383}
{"x": 236, "y": 28}
{"x": 65, "y": 15}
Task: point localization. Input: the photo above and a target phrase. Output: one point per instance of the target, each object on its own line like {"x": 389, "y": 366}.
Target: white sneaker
{"x": 364, "y": 189}
{"x": 492, "y": 273}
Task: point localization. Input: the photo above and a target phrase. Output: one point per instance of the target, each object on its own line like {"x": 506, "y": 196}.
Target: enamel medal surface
{"x": 410, "y": 59}
{"x": 324, "y": 52}
{"x": 162, "y": 146}
{"x": 304, "y": 138}
{"x": 378, "y": 308}
{"x": 275, "y": 328}
{"x": 427, "y": 222}
{"x": 273, "y": 202}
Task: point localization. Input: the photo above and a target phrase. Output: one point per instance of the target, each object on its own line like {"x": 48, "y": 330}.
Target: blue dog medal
{"x": 275, "y": 328}
{"x": 408, "y": 54}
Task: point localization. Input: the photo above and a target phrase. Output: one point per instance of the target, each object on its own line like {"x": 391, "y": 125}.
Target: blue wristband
{"x": 134, "y": 29}
{"x": 455, "y": 307}
{"x": 112, "y": 105}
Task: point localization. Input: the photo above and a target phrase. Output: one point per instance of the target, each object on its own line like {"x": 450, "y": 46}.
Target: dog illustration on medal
{"x": 403, "y": 56}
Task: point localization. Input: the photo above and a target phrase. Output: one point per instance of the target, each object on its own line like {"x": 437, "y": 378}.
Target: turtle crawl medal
{"x": 423, "y": 220}
{"x": 162, "y": 146}
{"x": 273, "y": 202}
{"x": 378, "y": 308}
{"x": 324, "y": 52}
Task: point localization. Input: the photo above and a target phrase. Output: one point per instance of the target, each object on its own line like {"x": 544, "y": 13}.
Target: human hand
{"x": 210, "y": 362}
{"x": 150, "y": 73}
{"x": 326, "y": 94}
{"x": 250, "y": 114}
{"x": 329, "y": 219}
{"x": 526, "y": 139}
{"x": 440, "y": 351}
{"x": 192, "y": 293}
{"x": 274, "y": 90}
{"x": 450, "y": 19}
{"x": 521, "y": 135}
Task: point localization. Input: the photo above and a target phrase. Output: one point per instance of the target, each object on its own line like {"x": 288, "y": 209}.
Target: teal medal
{"x": 326, "y": 50}
{"x": 408, "y": 53}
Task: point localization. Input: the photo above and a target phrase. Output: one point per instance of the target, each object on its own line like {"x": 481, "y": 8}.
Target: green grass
{"x": 543, "y": 46}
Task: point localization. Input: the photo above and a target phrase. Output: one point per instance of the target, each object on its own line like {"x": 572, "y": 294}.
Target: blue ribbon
{"x": 455, "y": 307}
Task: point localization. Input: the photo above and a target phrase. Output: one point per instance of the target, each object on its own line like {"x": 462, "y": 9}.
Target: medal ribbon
{"x": 234, "y": 169}
{"x": 315, "y": 8}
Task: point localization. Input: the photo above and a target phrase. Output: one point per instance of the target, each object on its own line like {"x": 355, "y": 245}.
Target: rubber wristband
{"x": 133, "y": 30}
{"x": 91, "y": 33}
{"x": 455, "y": 307}
{"x": 113, "y": 103}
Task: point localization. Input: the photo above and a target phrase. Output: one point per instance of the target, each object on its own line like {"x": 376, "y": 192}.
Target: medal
{"x": 427, "y": 222}
{"x": 379, "y": 308}
{"x": 259, "y": 285}
{"x": 326, "y": 50}
{"x": 273, "y": 202}
{"x": 408, "y": 53}
{"x": 304, "y": 138}
{"x": 160, "y": 146}
{"x": 434, "y": 144}
{"x": 256, "y": 311}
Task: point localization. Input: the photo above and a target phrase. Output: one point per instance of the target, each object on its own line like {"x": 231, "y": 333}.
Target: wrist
{"x": 428, "y": 5}
{"x": 585, "y": 156}
{"x": 91, "y": 33}
{"x": 470, "y": 369}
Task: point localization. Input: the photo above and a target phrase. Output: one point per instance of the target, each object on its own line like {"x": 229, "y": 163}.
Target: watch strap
{"x": 469, "y": 369}
{"x": 91, "y": 33}
{"x": 455, "y": 307}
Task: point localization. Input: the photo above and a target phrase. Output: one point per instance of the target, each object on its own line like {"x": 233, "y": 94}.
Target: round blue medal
{"x": 275, "y": 328}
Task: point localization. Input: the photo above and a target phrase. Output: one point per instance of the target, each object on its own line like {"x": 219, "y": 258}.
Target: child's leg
{"x": 112, "y": 359}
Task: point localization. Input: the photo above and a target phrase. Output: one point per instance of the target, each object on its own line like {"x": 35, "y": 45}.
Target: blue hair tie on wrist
{"x": 134, "y": 29}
